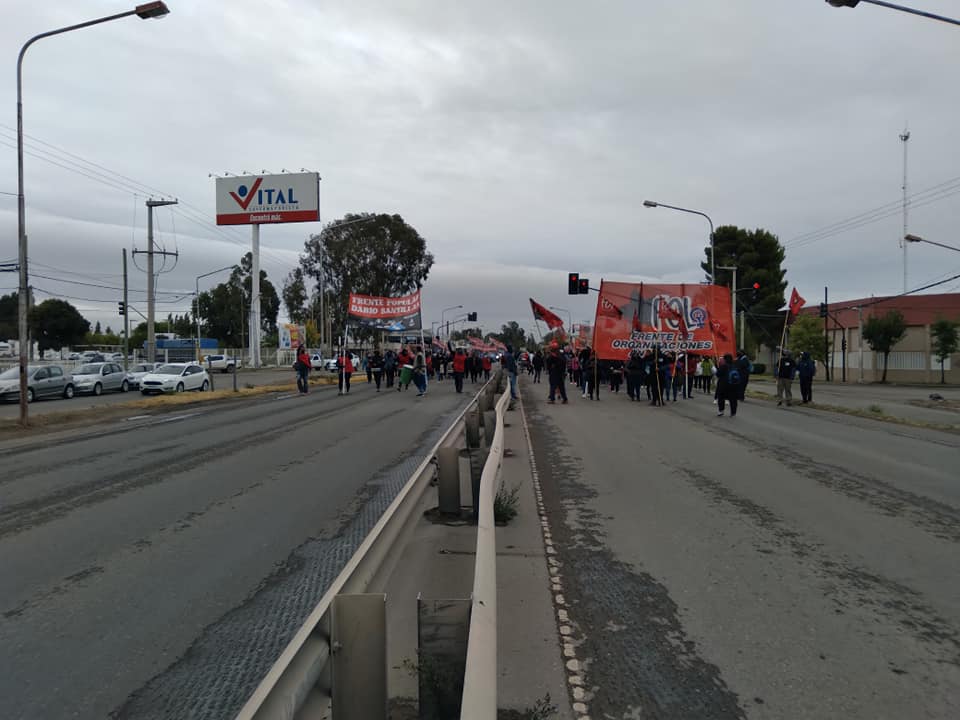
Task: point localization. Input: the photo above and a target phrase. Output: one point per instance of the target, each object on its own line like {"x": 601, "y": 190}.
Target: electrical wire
{"x": 110, "y": 287}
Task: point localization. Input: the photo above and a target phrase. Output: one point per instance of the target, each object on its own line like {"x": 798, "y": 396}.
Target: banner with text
{"x": 385, "y": 313}
{"x": 679, "y": 318}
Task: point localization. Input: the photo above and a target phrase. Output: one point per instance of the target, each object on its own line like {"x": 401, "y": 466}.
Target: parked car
{"x": 330, "y": 364}
{"x": 91, "y": 356}
{"x": 42, "y": 381}
{"x": 316, "y": 361}
{"x": 95, "y": 378}
{"x": 137, "y": 373}
{"x": 223, "y": 363}
{"x": 73, "y": 356}
{"x": 175, "y": 377}
{"x": 115, "y": 357}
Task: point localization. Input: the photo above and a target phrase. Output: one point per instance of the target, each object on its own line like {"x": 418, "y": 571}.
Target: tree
{"x": 513, "y": 335}
{"x": 882, "y": 333}
{"x": 9, "y": 306}
{"x": 376, "y": 254}
{"x": 56, "y": 324}
{"x": 758, "y": 257}
{"x": 269, "y": 300}
{"x": 806, "y": 335}
{"x": 225, "y": 308}
{"x": 946, "y": 339}
{"x": 96, "y": 329}
{"x": 295, "y": 296}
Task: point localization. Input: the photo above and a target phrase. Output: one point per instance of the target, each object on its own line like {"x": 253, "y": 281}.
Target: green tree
{"x": 946, "y": 339}
{"x": 513, "y": 335}
{"x": 375, "y": 254}
{"x": 806, "y": 335}
{"x": 269, "y": 300}
{"x": 56, "y": 323}
{"x": 758, "y": 257}
{"x": 295, "y": 296}
{"x": 9, "y": 306}
{"x": 883, "y": 333}
{"x": 224, "y": 312}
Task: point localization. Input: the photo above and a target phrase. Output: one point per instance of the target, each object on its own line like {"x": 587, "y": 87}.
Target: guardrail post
{"x": 478, "y": 458}
{"x": 448, "y": 481}
{"x": 472, "y": 429}
{"x": 358, "y": 626}
{"x": 442, "y": 630}
{"x": 489, "y": 426}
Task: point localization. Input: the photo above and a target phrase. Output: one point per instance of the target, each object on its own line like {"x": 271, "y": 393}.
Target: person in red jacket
{"x": 303, "y": 370}
{"x": 487, "y": 365}
{"x": 345, "y": 366}
{"x": 459, "y": 367}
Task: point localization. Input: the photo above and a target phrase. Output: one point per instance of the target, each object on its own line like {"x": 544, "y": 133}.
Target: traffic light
{"x": 573, "y": 284}
{"x": 823, "y": 310}
{"x": 755, "y": 293}
{"x": 121, "y": 307}
{"x": 583, "y": 286}
{"x": 472, "y": 317}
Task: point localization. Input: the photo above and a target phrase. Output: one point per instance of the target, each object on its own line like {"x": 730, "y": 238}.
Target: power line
{"x": 108, "y": 287}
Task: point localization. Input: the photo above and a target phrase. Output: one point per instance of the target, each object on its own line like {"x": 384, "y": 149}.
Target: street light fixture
{"x": 917, "y": 238}
{"x": 652, "y": 204}
{"x": 196, "y": 310}
{"x": 145, "y": 11}
{"x": 443, "y": 312}
{"x": 901, "y": 8}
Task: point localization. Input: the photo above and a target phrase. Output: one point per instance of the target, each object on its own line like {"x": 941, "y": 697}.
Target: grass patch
{"x": 876, "y": 409}
{"x": 505, "y": 504}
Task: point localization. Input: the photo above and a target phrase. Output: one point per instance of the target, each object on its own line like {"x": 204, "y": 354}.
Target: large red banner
{"x": 386, "y": 313}
{"x": 685, "y": 318}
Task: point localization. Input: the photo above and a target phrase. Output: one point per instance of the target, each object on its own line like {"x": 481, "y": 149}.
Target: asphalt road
{"x": 786, "y": 563}
{"x": 221, "y": 381}
{"x": 155, "y": 567}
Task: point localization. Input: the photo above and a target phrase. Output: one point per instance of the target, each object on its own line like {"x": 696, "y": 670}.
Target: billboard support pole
{"x": 255, "y": 297}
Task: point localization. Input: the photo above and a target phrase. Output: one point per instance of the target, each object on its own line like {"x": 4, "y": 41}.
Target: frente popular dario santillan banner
{"x": 695, "y": 319}
{"x": 385, "y": 313}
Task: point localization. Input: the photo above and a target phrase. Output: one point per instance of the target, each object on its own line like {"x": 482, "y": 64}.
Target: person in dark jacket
{"x": 537, "y": 365}
{"x": 728, "y": 385}
{"x": 634, "y": 372}
{"x": 302, "y": 366}
{"x": 786, "y": 370}
{"x": 375, "y": 366}
{"x": 390, "y": 367}
{"x": 743, "y": 366}
{"x": 806, "y": 369}
{"x": 556, "y": 370}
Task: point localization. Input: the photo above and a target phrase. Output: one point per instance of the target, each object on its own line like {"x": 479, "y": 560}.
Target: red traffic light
{"x": 584, "y": 286}
{"x": 756, "y": 286}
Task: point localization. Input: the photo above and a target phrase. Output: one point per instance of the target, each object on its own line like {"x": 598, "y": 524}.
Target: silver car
{"x": 42, "y": 381}
{"x": 95, "y": 378}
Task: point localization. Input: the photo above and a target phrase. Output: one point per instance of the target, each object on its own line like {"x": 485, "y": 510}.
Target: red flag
{"x": 796, "y": 302}
{"x": 718, "y": 328}
{"x": 605, "y": 308}
{"x": 541, "y": 313}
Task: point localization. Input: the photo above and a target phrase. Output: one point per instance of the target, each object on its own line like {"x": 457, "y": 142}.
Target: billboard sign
{"x": 260, "y": 199}
{"x": 679, "y": 318}
{"x": 386, "y": 313}
{"x": 291, "y": 336}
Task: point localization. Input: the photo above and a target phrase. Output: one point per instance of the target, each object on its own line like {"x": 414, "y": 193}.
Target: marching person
{"x": 786, "y": 369}
{"x": 537, "y": 365}
{"x": 509, "y": 363}
{"x": 345, "y": 368}
{"x": 706, "y": 378}
{"x": 745, "y": 367}
{"x": 420, "y": 373}
{"x": 487, "y": 366}
{"x": 634, "y": 371}
{"x": 390, "y": 367}
{"x": 806, "y": 369}
{"x": 459, "y": 367}
{"x": 728, "y": 385}
{"x": 375, "y": 366}
{"x": 302, "y": 366}
{"x": 556, "y": 372}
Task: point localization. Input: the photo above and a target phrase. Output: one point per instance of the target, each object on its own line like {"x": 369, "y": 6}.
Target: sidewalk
{"x": 437, "y": 563}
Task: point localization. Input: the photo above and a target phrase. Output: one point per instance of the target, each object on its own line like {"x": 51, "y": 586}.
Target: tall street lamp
{"x": 443, "y": 312}
{"x": 145, "y": 11}
{"x": 569, "y": 316}
{"x": 196, "y": 313}
{"x": 917, "y": 238}
{"x": 652, "y": 204}
{"x": 901, "y": 8}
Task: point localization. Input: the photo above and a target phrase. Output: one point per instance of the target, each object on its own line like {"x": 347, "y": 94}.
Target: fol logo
{"x": 243, "y": 196}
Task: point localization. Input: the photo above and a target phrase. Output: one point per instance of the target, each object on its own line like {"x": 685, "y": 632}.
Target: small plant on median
{"x": 505, "y": 504}
{"x": 876, "y": 409}
{"x": 542, "y": 709}
{"x": 441, "y": 686}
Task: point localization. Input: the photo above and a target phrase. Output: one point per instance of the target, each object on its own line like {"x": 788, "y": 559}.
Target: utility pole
{"x": 255, "y": 297}
{"x": 151, "y": 300}
{"x": 860, "y": 341}
{"x": 826, "y": 338}
{"x": 126, "y": 317}
{"x": 904, "y": 137}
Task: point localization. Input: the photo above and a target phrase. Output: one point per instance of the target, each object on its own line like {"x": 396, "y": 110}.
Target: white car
{"x": 223, "y": 363}
{"x": 139, "y": 371}
{"x": 316, "y": 362}
{"x": 175, "y": 378}
{"x": 330, "y": 364}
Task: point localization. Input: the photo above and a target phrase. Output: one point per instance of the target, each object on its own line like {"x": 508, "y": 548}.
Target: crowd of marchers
{"x": 660, "y": 376}
{"x": 411, "y": 364}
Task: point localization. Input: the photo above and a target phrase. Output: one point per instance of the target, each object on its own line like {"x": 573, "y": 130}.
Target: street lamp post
{"x": 145, "y": 12}
{"x": 196, "y": 310}
{"x": 733, "y": 299}
{"x": 901, "y": 8}
{"x": 917, "y": 238}
{"x": 569, "y": 316}
{"x": 443, "y": 312}
{"x": 652, "y": 204}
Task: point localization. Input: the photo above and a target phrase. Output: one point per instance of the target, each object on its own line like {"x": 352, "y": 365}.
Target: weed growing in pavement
{"x": 876, "y": 409}
{"x": 505, "y": 504}
{"x": 542, "y": 709}
{"x": 441, "y": 686}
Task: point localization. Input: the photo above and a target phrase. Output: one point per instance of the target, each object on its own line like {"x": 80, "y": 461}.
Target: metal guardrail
{"x": 480, "y": 676}
{"x": 290, "y": 691}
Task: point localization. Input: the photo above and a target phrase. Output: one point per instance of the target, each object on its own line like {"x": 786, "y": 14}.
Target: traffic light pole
{"x": 826, "y": 338}
{"x": 126, "y": 317}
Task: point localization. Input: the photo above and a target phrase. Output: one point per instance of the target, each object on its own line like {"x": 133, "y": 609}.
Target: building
{"x": 912, "y": 359}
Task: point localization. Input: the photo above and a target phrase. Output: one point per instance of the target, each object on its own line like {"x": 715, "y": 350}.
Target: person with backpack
{"x": 728, "y": 385}
{"x": 806, "y": 369}
{"x": 786, "y": 369}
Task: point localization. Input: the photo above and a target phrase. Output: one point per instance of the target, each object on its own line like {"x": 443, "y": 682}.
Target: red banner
{"x": 686, "y": 318}
{"x": 552, "y": 320}
{"x": 386, "y": 313}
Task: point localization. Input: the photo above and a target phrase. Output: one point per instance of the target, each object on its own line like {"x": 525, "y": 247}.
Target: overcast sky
{"x": 520, "y": 139}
